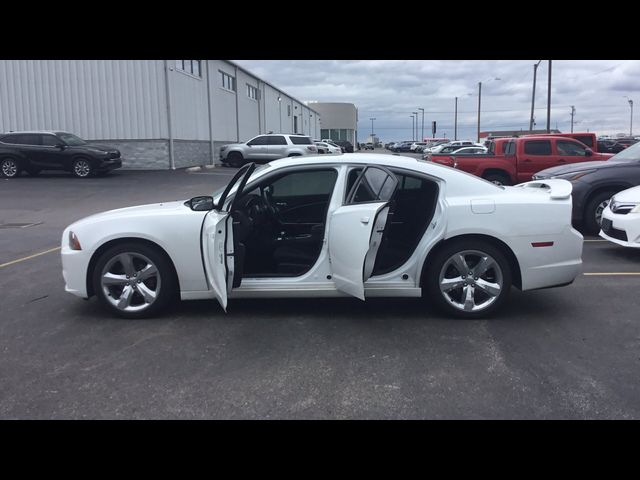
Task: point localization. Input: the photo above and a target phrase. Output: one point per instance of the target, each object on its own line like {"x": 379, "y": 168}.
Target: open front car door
{"x": 217, "y": 239}
{"x": 357, "y": 227}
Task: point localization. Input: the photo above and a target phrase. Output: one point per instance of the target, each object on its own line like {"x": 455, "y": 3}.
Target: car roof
{"x": 15, "y": 132}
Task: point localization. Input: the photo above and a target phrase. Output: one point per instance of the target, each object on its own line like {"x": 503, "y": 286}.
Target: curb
{"x": 201, "y": 168}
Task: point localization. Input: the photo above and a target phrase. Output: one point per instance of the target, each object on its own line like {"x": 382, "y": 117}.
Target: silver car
{"x": 264, "y": 148}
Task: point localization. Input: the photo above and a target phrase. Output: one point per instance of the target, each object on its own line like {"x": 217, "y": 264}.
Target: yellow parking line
{"x": 2, "y": 265}
{"x": 594, "y": 274}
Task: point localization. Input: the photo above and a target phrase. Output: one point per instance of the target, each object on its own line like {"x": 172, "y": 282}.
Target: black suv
{"x": 33, "y": 152}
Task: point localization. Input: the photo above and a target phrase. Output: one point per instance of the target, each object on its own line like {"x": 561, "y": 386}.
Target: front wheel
{"x": 81, "y": 168}
{"x": 134, "y": 280}
{"x": 593, "y": 212}
{"x": 9, "y": 168}
{"x": 498, "y": 179}
{"x": 468, "y": 279}
{"x": 235, "y": 159}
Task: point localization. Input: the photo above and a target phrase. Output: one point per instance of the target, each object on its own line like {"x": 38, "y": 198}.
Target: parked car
{"x": 264, "y": 148}
{"x": 523, "y": 157}
{"x": 610, "y": 146}
{"x": 368, "y": 146}
{"x": 589, "y": 139}
{"x": 621, "y": 218}
{"x": 35, "y": 151}
{"x": 403, "y": 147}
{"x": 347, "y": 147}
{"x": 327, "y": 148}
{"x": 415, "y": 145}
{"x": 320, "y": 226}
{"x": 446, "y": 148}
{"x": 594, "y": 183}
{"x": 627, "y": 141}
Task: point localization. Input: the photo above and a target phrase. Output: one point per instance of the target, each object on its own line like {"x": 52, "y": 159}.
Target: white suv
{"x": 264, "y": 148}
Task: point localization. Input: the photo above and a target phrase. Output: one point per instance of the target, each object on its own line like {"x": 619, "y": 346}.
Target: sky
{"x": 390, "y": 90}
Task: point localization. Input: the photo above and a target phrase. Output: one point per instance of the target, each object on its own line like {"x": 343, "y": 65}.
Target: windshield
{"x": 71, "y": 139}
{"x": 629, "y": 154}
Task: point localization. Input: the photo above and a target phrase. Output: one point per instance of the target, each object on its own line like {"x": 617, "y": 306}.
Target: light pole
{"x": 549, "y": 100}
{"x": 533, "y": 95}
{"x": 455, "y": 121}
{"x": 413, "y": 127}
{"x": 631, "y": 118}
{"x": 479, "y": 103}
{"x": 573, "y": 112}
{"x": 422, "y": 138}
{"x": 372, "y": 119}
{"x": 416, "y": 127}
{"x": 280, "y": 106}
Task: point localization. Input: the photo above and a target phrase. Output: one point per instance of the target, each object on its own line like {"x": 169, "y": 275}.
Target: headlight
{"x": 573, "y": 176}
{"x": 74, "y": 243}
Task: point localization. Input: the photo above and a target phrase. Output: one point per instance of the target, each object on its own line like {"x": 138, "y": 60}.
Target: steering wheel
{"x": 257, "y": 209}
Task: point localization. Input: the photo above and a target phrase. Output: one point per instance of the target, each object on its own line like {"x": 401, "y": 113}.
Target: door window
{"x": 537, "y": 147}
{"x": 571, "y": 148}
{"x": 23, "y": 139}
{"x": 50, "y": 140}
{"x": 277, "y": 140}
{"x": 374, "y": 184}
{"x": 259, "y": 141}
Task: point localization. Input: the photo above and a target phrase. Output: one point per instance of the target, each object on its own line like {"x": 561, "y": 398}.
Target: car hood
{"x": 631, "y": 195}
{"x": 97, "y": 148}
{"x": 152, "y": 209}
{"x": 231, "y": 145}
{"x": 575, "y": 167}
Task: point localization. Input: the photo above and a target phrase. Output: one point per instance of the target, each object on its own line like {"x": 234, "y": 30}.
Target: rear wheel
{"x": 134, "y": 280}
{"x": 468, "y": 279}
{"x": 593, "y": 211}
{"x": 81, "y": 168}
{"x": 235, "y": 159}
{"x": 9, "y": 168}
{"x": 498, "y": 178}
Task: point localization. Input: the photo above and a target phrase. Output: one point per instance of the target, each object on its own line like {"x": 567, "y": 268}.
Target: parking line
{"x": 595, "y": 274}
{"x": 598, "y": 240}
{"x": 2, "y": 265}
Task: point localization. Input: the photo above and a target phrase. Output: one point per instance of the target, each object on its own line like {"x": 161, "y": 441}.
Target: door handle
{"x": 364, "y": 220}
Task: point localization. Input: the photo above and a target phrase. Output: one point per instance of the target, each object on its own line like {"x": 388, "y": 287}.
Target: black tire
{"x": 9, "y": 167}
{"x": 81, "y": 168}
{"x": 498, "y": 178}
{"x": 166, "y": 286}
{"x": 590, "y": 222}
{"x": 431, "y": 282}
{"x": 235, "y": 159}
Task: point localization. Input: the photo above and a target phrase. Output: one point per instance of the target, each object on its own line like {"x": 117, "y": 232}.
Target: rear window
{"x": 301, "y": 140}
{"x": 509, "y": 148}
{"x": 537, "y": 147}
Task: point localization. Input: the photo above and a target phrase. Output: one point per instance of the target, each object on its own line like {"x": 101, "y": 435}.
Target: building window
{"x": 228, "y": 81}
{"x": 288, "y": 110}
{"x": 192, "y": 67}
{"x": 253, "y": 92}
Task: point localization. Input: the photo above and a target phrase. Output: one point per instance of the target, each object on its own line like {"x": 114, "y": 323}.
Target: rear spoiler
{"x": 558, "y": 189}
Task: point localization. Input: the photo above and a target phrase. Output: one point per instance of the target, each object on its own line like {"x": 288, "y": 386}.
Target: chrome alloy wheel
{"x": 599, "y": 209}
{"x": 81, "y": 168}
{"x": 9, "y": 167}
{"x": 471, "y": 280}
{"x": 130, "y": 282}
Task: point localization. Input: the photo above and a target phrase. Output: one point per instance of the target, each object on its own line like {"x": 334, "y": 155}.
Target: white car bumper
{"x": 624, "y": 229}
{"x": 74, "y": 270}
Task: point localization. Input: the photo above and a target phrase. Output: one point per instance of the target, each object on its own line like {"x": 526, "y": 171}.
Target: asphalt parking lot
{"x": 566, "y": 353}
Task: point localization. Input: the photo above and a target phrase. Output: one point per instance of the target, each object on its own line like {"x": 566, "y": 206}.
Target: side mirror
{"x": 61, "y": 146}
{"x": 588, "y": 152}
{"x": 201, "y": 204}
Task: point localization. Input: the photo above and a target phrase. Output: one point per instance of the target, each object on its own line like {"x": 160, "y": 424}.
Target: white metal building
{"x": 160, "y": 113}
{"x": 339, "y": 120}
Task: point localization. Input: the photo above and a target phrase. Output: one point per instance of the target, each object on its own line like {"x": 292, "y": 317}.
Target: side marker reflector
{"x": 542, "y": 244}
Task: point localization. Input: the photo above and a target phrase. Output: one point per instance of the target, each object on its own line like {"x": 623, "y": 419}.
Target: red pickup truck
{"x": 514, "y": 160}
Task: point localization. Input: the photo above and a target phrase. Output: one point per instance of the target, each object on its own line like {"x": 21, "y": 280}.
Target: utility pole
{"x": 372, "y": 119}
{"x": 455, "y": 122}
{"x": 533, "y": 95}
{"x": 573, "y": 112}
{"x": 549, "y": 100}
{"x": 479, "y": 98}
{"x": 416, "y": 127}
{"x": 413, "y": 127}
{"x": 422, "y": 138}
{"x": 631, "y": 119}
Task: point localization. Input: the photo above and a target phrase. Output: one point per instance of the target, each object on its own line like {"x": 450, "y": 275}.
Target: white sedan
{"x": 324, "y": 147}
{"x": 361, "y": 225}
{"x": 621, "y": 218}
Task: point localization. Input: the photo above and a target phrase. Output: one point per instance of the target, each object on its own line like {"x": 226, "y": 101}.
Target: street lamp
{"x": 533, "y": 95}
{"x": 422, "y": 138}
{"x": 280, "y": 107}
{"x": 372, "y": 119}
{"x": 416, "y": 127}
{"x": 573, "y": 112}
{"x": 631, "y": 118}
{"x": 480, "y": 100}
{"x": 413, "y": 127}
